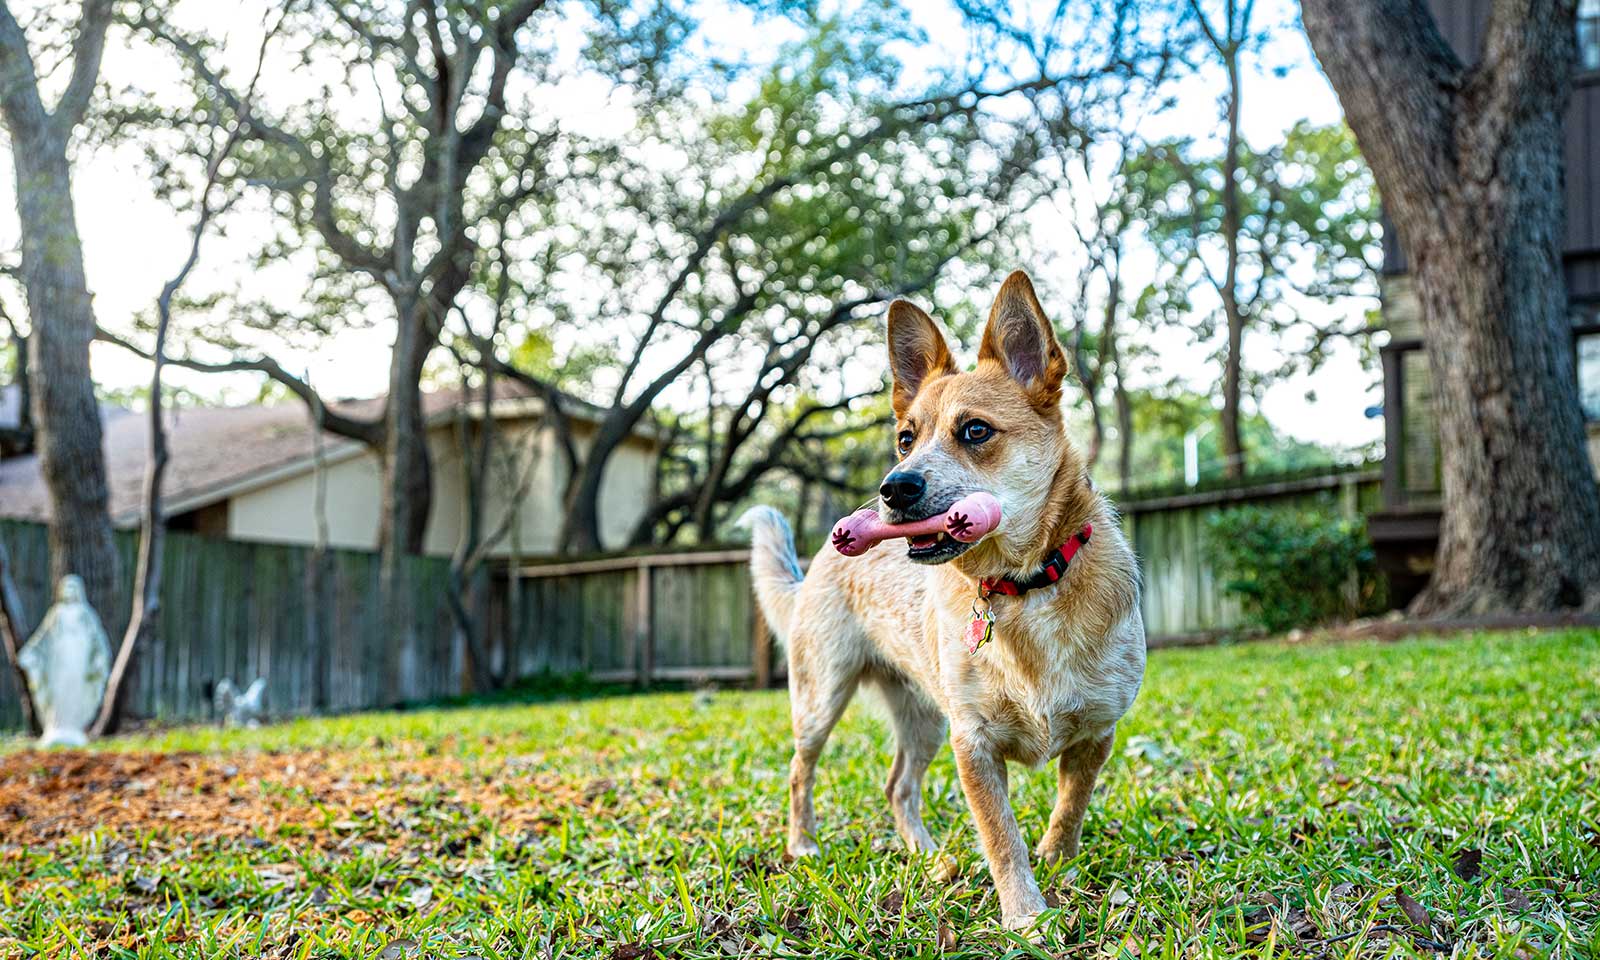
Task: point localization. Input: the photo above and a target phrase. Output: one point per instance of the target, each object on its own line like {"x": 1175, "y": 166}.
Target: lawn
{"x": 1427, "y": 798}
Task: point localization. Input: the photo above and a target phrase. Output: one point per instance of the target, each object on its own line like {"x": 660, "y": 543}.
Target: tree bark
{"x": 1469, "y": 161}
{"x": 65, "y": 414}
{"x": 1124, "y": 410}
{"x": 1232, "y": 226}
{"x": 407, "y": 464}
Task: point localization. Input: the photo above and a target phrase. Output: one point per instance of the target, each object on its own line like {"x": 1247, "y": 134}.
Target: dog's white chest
{"x": 1035, "y": 695}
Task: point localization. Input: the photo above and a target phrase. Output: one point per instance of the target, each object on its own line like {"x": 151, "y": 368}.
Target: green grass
{"x": 1263, "y": 800}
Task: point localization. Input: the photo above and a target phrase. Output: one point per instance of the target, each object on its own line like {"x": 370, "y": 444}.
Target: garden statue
{"x": 235, "y": 709}
{"x": 67, "y": 660}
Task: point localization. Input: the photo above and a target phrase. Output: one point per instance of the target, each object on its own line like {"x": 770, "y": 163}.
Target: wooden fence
{"x": 241, "y": 610}
{"x": 1183, "y": 598}
{"x": 686, "y": 616}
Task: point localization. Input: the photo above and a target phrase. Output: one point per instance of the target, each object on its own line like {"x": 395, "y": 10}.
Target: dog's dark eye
{"x": 975, "y": 431}
{"x": 904, "y": 442}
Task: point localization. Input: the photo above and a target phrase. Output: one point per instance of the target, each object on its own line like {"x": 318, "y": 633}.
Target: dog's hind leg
{"x": 919, "y": 730}
{"x": 1080, "y": 764}
{"x": 819, "y": 690}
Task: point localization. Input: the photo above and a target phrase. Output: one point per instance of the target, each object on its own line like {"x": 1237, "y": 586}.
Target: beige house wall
{"x": 284, "y": 511}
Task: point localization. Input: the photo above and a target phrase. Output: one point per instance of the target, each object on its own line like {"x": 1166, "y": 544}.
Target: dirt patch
{"x": 323, "y": 798}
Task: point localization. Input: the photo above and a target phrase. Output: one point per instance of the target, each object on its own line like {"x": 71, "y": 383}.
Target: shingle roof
{"x": 210, "y": 450}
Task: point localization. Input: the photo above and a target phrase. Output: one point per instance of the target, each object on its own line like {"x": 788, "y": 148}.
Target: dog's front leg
{"x": 983, "y": 780}
{"x": 1080, "y": 764}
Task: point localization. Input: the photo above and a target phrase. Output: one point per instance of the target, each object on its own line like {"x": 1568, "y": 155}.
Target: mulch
{"x": 323, "y": 798}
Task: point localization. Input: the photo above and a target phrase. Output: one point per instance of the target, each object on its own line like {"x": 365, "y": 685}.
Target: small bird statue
{"x": 235, "y": 709}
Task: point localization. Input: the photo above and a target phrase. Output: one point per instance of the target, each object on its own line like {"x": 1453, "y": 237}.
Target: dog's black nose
{"x": 900, "y": 490}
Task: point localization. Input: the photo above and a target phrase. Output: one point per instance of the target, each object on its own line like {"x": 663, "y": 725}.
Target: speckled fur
{"x": 1066, "y": 661}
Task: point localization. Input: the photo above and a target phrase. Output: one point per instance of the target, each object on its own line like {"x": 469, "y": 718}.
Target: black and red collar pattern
{"x": 1054, "y": 567}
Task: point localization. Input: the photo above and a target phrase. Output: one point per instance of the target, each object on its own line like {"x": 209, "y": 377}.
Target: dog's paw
{"x": 1026, "y": 925}
{"x": 1049, "y": 851}
{"x": 945, "y": 869}
{"x": 802, "y": 848}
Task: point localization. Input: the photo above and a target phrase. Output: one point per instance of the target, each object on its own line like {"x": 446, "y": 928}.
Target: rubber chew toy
{"x": 967, "y": 520}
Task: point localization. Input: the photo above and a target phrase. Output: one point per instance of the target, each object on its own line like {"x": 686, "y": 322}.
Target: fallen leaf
{"x": 420, "y": 897}
{"x": 1119, "y": 897}
{"x": 1414, "y": 911}
{"x": 893, "y": 903}
{"x": 1469, "y": 863}
{"x": 794, "y": 920}
{"x": 946, "y": 938}
{"x": 632, "y": 951}
{"x": 1517, "y": 900}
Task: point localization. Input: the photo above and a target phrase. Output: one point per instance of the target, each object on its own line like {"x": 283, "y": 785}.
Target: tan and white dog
{"x": 1066, "y": 657}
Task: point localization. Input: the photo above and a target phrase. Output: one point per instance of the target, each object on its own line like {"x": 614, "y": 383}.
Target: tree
{"x": 483, "y": 450}
{"x": 1469, "y": 160}
{"x": 1296, "y": 224}
{"x": 1228, "y": 39}
{"x": 791, "y": 220}
{"x": 391, "y": 194}
{"x": 65, "y": 415}
{"x": 1105, "y": 223}
{"x": 145, "y": 615}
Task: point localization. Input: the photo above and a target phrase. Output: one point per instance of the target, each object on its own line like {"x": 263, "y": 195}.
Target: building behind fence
{"x": 245, "y": 610}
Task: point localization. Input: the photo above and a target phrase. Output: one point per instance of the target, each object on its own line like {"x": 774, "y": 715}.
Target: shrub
{"x": 1296, "y": 568}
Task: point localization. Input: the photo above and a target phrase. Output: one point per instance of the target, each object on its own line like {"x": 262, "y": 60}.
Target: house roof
{"x": 214, "y": 452}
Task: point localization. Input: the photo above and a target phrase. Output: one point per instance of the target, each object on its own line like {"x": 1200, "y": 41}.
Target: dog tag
{"x": 981, "y": 630}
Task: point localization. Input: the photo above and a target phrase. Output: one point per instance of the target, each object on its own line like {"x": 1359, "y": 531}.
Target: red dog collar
{"x": 1052, "y": 570}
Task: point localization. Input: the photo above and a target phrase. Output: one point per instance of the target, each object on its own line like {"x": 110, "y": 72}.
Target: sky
{"x": 133, "y": 240}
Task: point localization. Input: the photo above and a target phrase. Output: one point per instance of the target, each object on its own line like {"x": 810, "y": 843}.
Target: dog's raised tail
{"x": 774, "y": 568}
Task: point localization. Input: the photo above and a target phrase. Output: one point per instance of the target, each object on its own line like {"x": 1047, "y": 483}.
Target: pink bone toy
{"x": 968, "y": 520}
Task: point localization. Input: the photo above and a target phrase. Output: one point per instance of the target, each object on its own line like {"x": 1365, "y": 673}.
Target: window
{"x": 1589, "y": 34}
{"x": 1589, "y": 375}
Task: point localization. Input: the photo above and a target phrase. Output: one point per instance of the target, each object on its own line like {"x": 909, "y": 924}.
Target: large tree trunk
{"x": 407, "y": 466}
{"x": 65, "y": 415}
{"x": 1469, "y": 163}
{"x": 580, "y": 526}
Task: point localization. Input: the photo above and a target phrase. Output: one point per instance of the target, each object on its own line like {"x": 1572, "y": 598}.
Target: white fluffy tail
{"x": 774, "y": 568}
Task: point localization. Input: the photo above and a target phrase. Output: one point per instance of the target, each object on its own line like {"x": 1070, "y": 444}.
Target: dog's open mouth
{"x": 935, "y": 548}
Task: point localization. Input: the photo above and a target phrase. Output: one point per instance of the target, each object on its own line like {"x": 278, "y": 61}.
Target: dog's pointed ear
{"x": 917, "y": 353}
{"x": 1023, "y": 342}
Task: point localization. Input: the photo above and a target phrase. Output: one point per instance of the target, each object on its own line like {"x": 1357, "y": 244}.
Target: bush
{"x": 1296, "y": 568}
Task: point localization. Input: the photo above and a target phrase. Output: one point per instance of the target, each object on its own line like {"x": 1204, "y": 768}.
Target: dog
{"x": 1021, "y": 665}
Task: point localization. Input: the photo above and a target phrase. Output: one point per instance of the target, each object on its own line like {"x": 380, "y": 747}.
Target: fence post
{"x": 643, "y": 629}
{"x": 1350, "y": 509}
{"x": 760, "y": 648}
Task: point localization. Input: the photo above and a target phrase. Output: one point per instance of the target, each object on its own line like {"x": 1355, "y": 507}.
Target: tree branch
{"x": 19, "y": 84}
{"x": 86, "y": 53}
{"x": 369, "y": 432}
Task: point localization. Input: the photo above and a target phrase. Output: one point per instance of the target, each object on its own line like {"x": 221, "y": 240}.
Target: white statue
{"x": 235, "y": 709}
{"x": 67, "y": 660}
